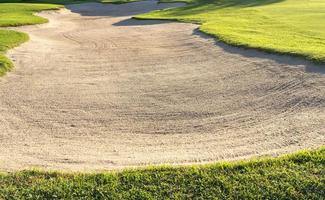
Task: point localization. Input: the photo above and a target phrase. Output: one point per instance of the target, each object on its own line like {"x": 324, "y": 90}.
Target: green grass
{"x": 297, "y": 176}
{"x": 295, "y": 27}
{"x": 16, "y": 14}
{"x": 9, "y": 39}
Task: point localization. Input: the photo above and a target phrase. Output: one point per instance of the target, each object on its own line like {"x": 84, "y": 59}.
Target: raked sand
{"x": 96, "y": 90}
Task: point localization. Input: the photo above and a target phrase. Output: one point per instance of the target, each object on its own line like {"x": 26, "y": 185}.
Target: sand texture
{"x": 96, "y": 90}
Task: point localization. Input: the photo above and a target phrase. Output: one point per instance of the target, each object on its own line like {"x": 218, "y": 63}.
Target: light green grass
{"x": 16, "y": 14}
{"x": 294, "y": 27}
{"x": 9, "y": 39}
{"x": 297, "y": 176}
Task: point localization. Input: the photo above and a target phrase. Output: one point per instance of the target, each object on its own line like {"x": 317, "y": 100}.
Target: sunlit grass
{"x": 294, "y": 27}
{"x": 298, "y": 176}
{"x": 9, "y": 39}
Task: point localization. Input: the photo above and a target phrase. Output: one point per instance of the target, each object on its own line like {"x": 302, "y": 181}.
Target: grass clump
{"x": 9, "y": 39}
{"x": 297, "y": 176}
{"x": 295, "y": 27}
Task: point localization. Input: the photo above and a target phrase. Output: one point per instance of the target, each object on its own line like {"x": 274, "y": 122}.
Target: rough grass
{"x": 295, "y": 27}
{"x": 297, "y": 176}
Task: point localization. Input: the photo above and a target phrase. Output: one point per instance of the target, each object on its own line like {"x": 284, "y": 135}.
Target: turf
{"x": 295, "y": 27}
{"x": 297, "y": 176}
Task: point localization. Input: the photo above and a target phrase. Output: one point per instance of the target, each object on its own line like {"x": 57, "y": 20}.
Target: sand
{"x": 96, "y": 90}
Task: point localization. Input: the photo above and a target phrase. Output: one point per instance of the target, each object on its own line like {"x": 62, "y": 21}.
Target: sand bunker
{"x": 94, "y": 90}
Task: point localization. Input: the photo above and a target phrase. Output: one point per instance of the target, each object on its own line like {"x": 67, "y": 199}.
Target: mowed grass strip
{"x": 295, "y": 27}
{"x": 297, "y": 176}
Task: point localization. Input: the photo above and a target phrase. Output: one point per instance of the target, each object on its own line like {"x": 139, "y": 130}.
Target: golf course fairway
{"x": 295, "y": 27}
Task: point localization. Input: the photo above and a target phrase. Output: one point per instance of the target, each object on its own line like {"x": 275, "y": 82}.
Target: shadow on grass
{"x": 290, "y": 60}
{"x": 135, "y": 22}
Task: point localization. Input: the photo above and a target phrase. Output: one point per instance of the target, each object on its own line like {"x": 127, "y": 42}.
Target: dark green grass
{"x": 297, "y": 176}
